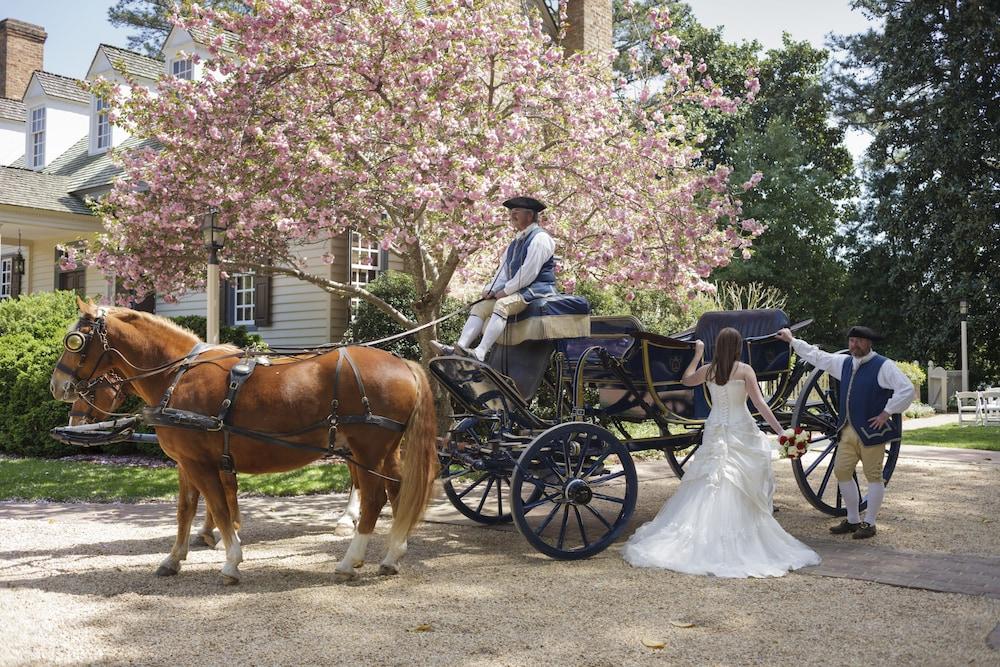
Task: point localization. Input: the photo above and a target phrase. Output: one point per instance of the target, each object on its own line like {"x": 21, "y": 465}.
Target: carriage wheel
{"x": 573, "y": 490}
{"x": 481, "y": 495}
{"x": 817, "y": 410}
{"x": 678, "y": 459}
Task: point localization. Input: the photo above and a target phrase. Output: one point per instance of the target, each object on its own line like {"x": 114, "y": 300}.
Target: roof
{"x": 32, "y": 189}
{"x": 12, "y": 110}
{"x": 206, "y": 35}
{"x": 130, "y": 63}
{"x": 56, "y": 85}
{"x": 86, "y": 172}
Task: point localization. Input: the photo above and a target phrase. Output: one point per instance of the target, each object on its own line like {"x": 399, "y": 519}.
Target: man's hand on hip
{"x": 879, "y": 420}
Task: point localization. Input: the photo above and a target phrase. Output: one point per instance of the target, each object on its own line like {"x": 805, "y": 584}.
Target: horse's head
{"x": 98, "y": 399}
{"x": 85, "y": 357}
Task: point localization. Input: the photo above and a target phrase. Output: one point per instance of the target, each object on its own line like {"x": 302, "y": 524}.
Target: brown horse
{"x": 290, "y": 399}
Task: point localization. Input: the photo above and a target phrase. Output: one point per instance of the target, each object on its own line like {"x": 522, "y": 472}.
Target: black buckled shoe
{"x": 865, "y": 530}
{"x": 844, "y": 527}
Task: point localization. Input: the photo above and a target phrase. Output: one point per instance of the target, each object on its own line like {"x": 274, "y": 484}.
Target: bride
{"x": 719, "y": 522}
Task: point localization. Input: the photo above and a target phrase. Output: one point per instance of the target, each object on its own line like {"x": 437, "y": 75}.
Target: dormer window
{"x": 37, "y": 137}
{"x": 103, "y": 129}
{"x": 183, "y": 69}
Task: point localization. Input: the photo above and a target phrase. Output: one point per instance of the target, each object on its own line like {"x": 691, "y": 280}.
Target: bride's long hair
{"x": 728, "y": 346}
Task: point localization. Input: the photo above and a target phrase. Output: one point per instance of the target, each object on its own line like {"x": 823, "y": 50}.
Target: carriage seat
{"x": 750, "y": 323}
{"x": 549, "y": 318}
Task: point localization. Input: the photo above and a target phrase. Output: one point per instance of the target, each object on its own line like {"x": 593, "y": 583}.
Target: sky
{"x": 76, "y": 27}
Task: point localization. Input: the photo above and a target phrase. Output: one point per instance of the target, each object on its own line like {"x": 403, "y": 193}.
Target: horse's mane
{"x": 127, "y": 314}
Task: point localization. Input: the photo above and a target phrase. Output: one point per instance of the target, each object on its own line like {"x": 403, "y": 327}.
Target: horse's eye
{"x": 74, "y": 341}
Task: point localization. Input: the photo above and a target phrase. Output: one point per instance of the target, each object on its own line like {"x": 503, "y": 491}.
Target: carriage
{"x": 542, "y": 433}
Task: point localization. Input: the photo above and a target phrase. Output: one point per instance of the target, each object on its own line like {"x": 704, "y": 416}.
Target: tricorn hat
{"x": 529, "y": 203}
{"x": 864, "y": 332}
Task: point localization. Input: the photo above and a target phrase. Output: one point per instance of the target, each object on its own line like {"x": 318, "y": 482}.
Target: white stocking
{"x": 876, "y": 492}
{"x": 849, "y": 492}
{"x": 493, "y": 331}
{"x": 471, "y": 330}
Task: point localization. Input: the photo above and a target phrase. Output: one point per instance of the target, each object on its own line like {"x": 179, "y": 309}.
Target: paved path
{"x": 942, "y": 419}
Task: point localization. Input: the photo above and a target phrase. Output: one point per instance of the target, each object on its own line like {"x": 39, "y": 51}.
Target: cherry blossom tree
{"x": 411, "y": 126}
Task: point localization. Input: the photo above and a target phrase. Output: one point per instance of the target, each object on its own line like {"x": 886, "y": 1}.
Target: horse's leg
{"x": 372, "y": 501}
{"x": 348, "y": 521}
{"x": 209, "y": 482}
{"x": 187, "y": 503}
{"x": 207, "y": 532}
{"x": 397, "y": 547}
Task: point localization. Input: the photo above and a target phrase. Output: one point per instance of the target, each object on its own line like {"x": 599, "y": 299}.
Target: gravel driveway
{"x": 76, "y": 587}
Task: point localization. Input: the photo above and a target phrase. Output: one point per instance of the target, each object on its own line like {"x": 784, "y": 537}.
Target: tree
{"x": 928, "y": 87}
{"x": 411, "y": 126}
{"x": 152, "y": 20}
{"x": 787, "y": 135}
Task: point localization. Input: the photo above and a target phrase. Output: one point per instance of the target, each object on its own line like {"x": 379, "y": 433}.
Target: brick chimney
{"x": 589, "y": 26}
{"x": 22, "y": 46}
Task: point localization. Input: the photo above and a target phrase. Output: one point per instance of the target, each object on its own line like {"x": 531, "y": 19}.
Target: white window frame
{"x": 102, "y": 127}
{"x": 244, "y": 298}
{"x": 362, "y": 273}
{"x": 36, "y": 134}
{"x": 182, "y": 68}
{"x": 6, "y": 277}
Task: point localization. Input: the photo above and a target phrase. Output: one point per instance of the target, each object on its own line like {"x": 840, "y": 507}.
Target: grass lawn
{"x": 953, "y": 435}
{"x": 75, "y": 481}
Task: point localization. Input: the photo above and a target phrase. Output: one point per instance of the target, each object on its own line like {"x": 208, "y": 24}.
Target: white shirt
{"x": 889, "y": 375}
{"x": 542, "y": 247}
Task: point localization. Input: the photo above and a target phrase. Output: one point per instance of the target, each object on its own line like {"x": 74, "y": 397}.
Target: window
{"x": 37, "y": 136}
{"x": 103, "y": 124}
{"x": 70, "y": 279}
{"x": 183, "y": 69}
{"x": 6, "y": 277}
{"x": 367, "y": 259}
{"x": 244, "y": 293}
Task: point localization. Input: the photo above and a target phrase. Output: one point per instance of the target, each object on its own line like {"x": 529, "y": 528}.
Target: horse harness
{"x": 164, "y": 415}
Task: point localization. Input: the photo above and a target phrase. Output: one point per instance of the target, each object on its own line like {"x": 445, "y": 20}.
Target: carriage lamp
{"x": 215, "y": 237}
{"x": 963, "y": 307}
{"x": 18, "y": 258}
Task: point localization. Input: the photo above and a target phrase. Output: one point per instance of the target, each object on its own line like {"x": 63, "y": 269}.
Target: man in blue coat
{"x": 527, "y": 272}
{"x": 873, "y": 393}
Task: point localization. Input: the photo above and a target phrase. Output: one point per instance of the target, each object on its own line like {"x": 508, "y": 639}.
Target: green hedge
{"x": 32, "y": 328}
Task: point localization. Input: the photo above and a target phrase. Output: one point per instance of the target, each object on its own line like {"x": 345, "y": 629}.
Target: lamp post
{"x": 963, "y": 310}
{"x": 214, "y": 236}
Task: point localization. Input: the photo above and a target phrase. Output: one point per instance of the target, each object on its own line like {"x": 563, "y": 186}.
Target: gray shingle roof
{"x": 206, "y": 35}
{"x": 133, "y": 64}
{"x": 86, "y": 172}
{"x": 12, "y": 110}
{"x": 32, "y": 189}
{"x": 56, "y": 85}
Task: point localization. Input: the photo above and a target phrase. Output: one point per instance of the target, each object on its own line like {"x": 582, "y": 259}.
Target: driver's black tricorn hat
{"x": 864, "y": 332}
{"x": 529, "y": 203}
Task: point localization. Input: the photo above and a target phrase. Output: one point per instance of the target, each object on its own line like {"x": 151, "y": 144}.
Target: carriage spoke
{"x": 486, "y": 494}
{"x": 607, "y": 478}
{"x": 826, "y": 480}
{"x": 600, "y": 517}
{"x": 474, "y": 485}
{"x": 823, "y": 455}
{"x": 562, "y": 529}
{"x": 552, "y": 466}
{"x": 499, "y": 497}
{"x": 579, "y": 522}
{"x": 545, "y": 523}
{"x": 554, "y": 498}
{"x": 610, "y": 499}
{"x": 605, "y": 453}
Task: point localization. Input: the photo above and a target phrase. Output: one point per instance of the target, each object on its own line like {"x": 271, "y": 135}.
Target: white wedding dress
{"x": 719, "y": 522}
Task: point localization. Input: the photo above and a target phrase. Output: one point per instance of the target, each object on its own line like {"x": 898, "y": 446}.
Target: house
{"x": 54, "y": 143}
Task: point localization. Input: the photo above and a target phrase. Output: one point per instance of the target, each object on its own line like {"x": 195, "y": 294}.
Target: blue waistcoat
{"x": 545, "y": 283}
{"x": 861, "y": 398}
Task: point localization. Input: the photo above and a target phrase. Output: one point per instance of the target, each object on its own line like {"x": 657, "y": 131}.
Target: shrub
{"x": 397, "y": 290}
{"x": 913, "y": 371}
{"x": 918, "y": 409}
{"x": 238, "y": 335}
{"x": 31, "y": 331}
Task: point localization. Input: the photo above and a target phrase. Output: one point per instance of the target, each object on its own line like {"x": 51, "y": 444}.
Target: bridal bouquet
{"x": 793, "y": 443}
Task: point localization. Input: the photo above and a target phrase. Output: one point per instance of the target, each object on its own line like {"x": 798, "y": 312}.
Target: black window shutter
{"x": 262, "y": 300}
{"x": 383, "y": 261}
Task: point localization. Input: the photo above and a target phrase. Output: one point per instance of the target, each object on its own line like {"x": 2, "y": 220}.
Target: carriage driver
{"x": 527, "y": 272}
{"x": 872, "y": 390}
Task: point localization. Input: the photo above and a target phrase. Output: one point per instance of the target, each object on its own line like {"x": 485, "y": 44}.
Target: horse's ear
{"x": 86, "y": 307}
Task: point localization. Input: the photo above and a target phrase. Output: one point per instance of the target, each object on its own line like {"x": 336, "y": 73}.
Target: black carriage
{"x": 541, "y": 431}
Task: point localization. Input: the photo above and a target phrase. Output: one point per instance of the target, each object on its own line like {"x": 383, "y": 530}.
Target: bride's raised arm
{"x": 694, "y": 376}
{"x": 753, "y": 391}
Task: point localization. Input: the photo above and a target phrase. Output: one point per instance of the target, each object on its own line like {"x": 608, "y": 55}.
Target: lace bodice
{"x": 729, "y": 403}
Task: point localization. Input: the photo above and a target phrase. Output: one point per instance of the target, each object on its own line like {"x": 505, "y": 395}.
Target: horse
{"x": 99, "y": 400}
{"x": 286, "y": 416}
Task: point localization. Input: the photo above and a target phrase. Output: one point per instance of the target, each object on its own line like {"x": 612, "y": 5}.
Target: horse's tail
{"x": 420, "y": 461}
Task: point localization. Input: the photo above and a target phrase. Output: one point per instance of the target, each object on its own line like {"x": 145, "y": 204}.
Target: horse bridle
{"x": 78, "y": 342}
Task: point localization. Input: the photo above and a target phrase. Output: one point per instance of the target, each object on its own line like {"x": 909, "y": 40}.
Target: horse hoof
{"x": 358, "y": 563}
{"x": 342, "y": 577}
{"x": 387, "y": 570}
{"x": 208, "y": 540}
{"x": 230, "y": 581}
{"x": 164, "y": 571}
